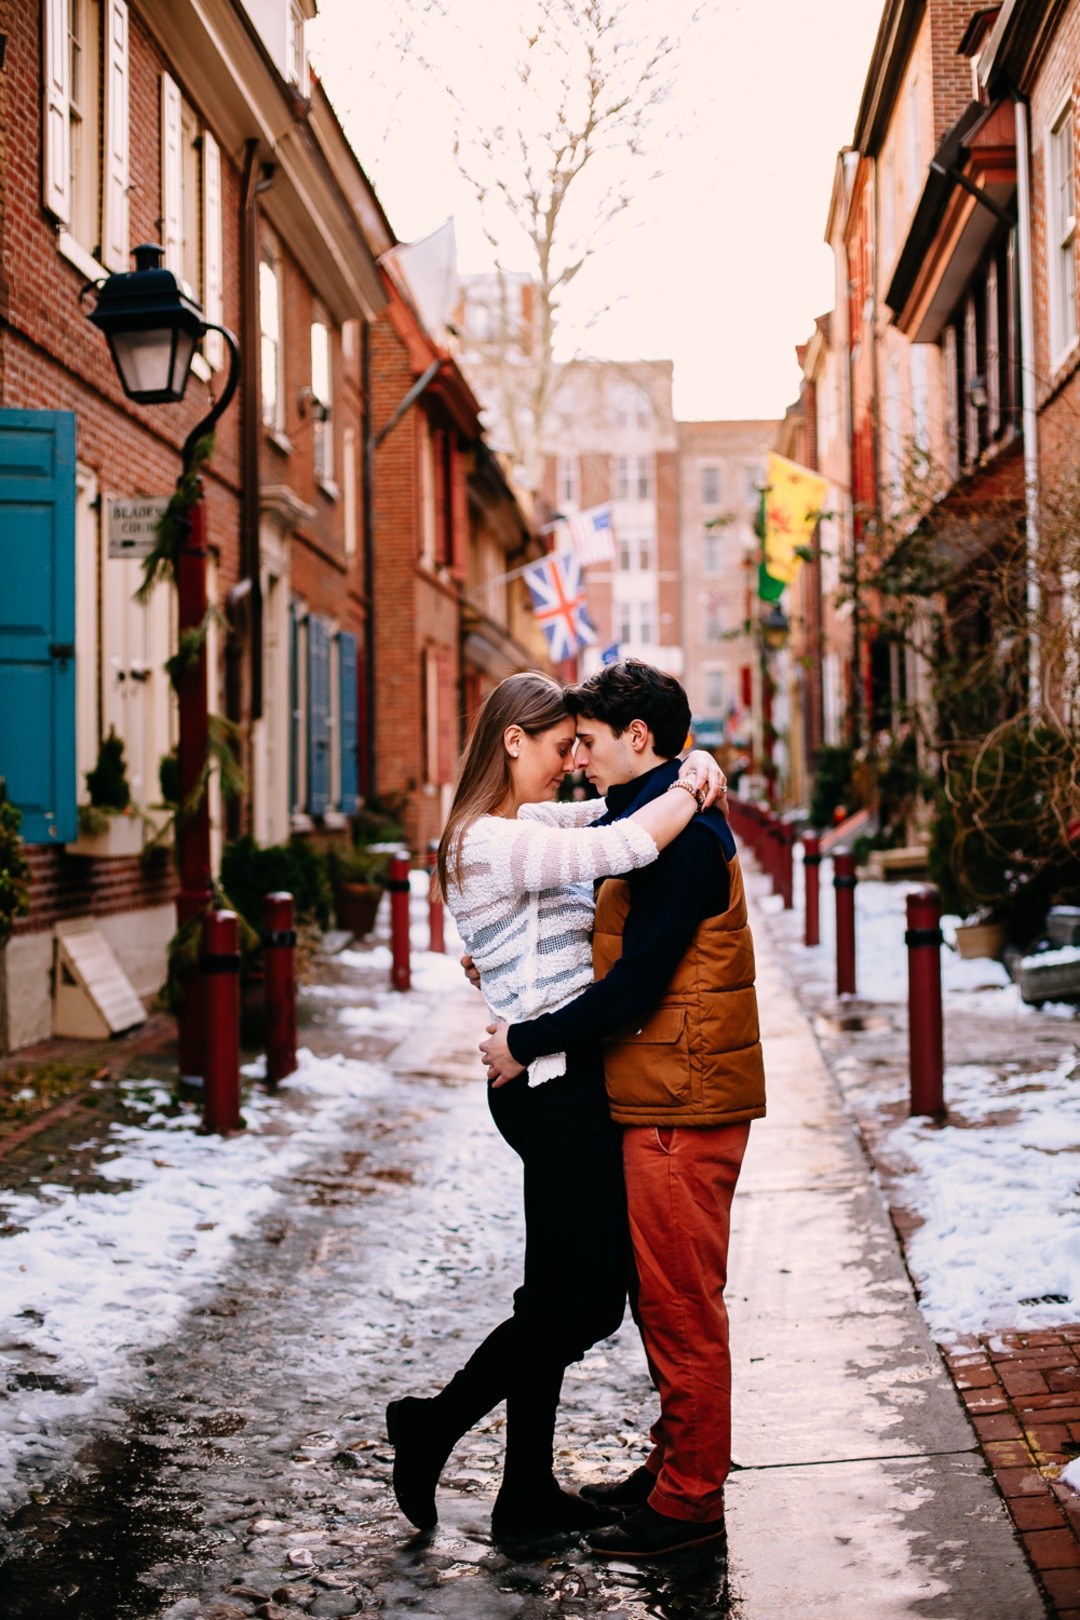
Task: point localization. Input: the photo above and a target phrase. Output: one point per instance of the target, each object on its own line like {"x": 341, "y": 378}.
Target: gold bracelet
{"x": 698, "y": 794}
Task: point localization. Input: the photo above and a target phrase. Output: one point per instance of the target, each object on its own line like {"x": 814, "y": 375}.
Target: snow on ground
{"x": 94, "y": 1276}
{"x": 997, "y": 1188}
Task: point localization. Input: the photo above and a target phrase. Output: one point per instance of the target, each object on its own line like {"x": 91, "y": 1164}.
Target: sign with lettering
{"x": 131, "y": 525}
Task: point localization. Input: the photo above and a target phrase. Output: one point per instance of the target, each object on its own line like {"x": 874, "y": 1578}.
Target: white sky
{"x": 719, "y": 263}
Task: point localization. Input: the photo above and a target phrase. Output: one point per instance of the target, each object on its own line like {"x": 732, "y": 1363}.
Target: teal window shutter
{"x": 295, "y": 715}
{"x": 37, "y": 620}
{"x": 318, "y": 716}
{"x": 348, "y": 726}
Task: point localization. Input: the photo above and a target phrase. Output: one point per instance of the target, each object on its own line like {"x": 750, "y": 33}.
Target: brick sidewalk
{"x": 1022, "y": 1392}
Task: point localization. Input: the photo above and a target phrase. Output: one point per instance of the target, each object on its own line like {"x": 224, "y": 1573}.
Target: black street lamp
{"x": 152, "y": 328}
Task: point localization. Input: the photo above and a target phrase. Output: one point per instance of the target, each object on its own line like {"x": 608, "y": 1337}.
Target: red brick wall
{"x": 952, "y": 73}
{"x": 63, "y": 885}
{"x": 415, "y": 608}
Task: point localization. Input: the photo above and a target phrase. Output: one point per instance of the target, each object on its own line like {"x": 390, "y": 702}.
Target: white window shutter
{"x": 213, "y": 273}
{"x": 56, "y": 131}
{"x": 172, "y": 176}
{"x": 115, "y": 234}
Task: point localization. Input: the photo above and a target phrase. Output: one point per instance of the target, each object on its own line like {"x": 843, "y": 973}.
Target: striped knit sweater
{"x": 524, "y": 908}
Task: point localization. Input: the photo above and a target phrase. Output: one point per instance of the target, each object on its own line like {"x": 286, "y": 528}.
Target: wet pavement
{"x": 244, "y": 1469}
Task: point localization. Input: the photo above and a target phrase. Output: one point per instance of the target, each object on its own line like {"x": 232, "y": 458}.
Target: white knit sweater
{"x": 524, "y": 907}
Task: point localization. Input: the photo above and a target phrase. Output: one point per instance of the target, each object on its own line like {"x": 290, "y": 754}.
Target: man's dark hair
{"x": 631, "y": 690}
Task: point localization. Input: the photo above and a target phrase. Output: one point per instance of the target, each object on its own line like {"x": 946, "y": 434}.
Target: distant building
{"x": 721, "y": 474}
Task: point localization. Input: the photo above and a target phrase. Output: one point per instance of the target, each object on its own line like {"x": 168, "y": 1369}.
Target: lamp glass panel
{"x": 147, "y": 361}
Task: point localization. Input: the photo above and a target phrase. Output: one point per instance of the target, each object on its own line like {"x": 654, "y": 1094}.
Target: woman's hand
{"x": 472, "y": 972}
{"x": 702, "y": 771}
{"x": 499, "y": 1061}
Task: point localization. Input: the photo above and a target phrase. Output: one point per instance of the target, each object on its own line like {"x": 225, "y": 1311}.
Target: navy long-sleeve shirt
{"x": 688, "y": 882}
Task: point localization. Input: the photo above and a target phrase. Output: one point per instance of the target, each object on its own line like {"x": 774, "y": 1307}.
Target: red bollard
{"x": 398, "y": 884}
{"x": 844, "y": 884}
{"x": 787, "y": 864}
{"x": 811, "y": 888}
{"x": 436, "y": 941}
{"x": 279, "y": 963}
{"x": 926, "y": 1045}
{"x": 219, "y": 968}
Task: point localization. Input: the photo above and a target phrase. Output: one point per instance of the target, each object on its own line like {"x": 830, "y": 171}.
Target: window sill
{"x": 301, "y": 822}
{"x": 333, "y": 821}
{"x": 329, "y": 489}
{"x": 201, "y": 368}
{"x": 83, "y": 260}
{"x": 279, "y": 440}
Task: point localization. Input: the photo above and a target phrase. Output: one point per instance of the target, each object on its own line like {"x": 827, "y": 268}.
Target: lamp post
{"x": 152, "y": 328}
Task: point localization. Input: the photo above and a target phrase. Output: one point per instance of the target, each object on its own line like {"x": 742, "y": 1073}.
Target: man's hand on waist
{"x": 501, "y": 1063}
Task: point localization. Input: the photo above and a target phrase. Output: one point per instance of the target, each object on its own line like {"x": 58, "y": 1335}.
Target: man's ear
{"x": 638, "y": 732}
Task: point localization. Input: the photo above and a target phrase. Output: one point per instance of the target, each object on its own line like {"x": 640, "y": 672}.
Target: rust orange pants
{"x": 679, "y": 1185}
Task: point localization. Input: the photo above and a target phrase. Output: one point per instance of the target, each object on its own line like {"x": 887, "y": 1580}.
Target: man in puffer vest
{"x": 675, "y": 1005}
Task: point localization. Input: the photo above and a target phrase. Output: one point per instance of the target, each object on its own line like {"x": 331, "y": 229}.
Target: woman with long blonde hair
{"x": 517, "y": 871}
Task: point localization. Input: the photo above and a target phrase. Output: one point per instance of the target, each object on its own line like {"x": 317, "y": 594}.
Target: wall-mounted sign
{"x": 131, "y": 525}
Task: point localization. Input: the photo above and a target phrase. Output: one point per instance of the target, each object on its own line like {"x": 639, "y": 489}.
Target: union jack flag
{"x": 559, "y": 604}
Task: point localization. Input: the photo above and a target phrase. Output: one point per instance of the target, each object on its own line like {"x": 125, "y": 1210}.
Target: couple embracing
{"x": 624, "y": 1068}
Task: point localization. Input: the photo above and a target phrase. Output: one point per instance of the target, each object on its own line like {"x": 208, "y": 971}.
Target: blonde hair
{"x": 529, "y": 700}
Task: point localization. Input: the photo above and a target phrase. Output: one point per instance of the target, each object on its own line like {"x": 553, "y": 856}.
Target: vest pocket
{"x": 650, "y": 1066}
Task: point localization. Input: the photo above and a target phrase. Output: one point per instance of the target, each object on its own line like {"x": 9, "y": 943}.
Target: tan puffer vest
{"x": 696, "y": 1060}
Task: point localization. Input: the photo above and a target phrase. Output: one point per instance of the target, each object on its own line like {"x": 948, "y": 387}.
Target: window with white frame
{"x": 894, "y": 450}
{"x": 633, "y": 478}
{"x": 888, "y": 209}
{"x": 566, "y": 481}
{"x": 85, "y": 129}
{"x": 350, "y": 480}
{"x": 710, "y": 486}
{"x": 191, "y": 212}
{"x": 712, "y": 559}
{"x": 714, "y": 691}
{"x": 321, "y": 398}
{"x": 920, "y": 400}
{"x": 1061, "y": 234}
{"x": 85, "y": 122}
{"x": 296, "y": 52}
{"x": 273, "y": 397}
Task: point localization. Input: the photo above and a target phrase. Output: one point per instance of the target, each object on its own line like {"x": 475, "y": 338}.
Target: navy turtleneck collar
{"x": 623, "y": 798}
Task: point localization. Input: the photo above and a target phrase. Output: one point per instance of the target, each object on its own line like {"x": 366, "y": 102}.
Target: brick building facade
{"x": 202, "y": 128}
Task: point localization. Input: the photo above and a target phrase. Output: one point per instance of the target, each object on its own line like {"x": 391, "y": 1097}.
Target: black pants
{"x": 577, "y": 1261}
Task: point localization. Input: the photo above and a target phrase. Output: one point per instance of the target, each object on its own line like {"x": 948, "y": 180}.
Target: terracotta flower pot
{"x": 356, "y": 906}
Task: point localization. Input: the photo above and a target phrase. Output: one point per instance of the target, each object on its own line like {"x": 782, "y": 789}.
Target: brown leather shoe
{"x": 648, "y": 1534}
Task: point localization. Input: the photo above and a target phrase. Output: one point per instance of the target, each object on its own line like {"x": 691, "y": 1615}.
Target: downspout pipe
{"x": 372, "y": 441}
{"x": 1028, "y": 405}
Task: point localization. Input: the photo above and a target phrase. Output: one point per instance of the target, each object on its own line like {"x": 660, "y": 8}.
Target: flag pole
{"x": 516, "y": 573}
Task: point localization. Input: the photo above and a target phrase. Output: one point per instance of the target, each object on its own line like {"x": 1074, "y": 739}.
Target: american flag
{"x": 591, "y": 535}
{"x": 559, "y": 603}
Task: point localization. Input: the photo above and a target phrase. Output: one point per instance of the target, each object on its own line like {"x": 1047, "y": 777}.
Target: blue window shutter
{"x": 348, "y": 727}
{"x": 318, "y": 716}
{"x": 294, "y": 706}
{"x": 37, "y": 620}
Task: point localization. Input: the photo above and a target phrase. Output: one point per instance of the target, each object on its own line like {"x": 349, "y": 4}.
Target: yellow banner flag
{"x": 794, "y": 497}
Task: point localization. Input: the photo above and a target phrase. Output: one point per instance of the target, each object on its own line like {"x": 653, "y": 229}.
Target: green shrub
{"x": 14, "y": 871}
{"x": 832, "y": 784}
{"x": 107, "y": 783}
{"x": 248, "y": 873}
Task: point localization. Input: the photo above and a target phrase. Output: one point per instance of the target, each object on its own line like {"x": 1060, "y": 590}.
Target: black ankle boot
{"x": 421, "y": 1447}
{"x": 545, "y": 1511}
{"x": 624, "y": 1494}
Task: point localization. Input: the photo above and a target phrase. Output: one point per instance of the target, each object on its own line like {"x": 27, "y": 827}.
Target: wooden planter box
{"x": 980, "y": 939}
{"x": 1053, "y": 976}
{"x": 123, "y": 836}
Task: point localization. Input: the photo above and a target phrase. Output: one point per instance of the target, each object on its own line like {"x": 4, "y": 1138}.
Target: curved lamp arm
{"x": 224, "y": 399}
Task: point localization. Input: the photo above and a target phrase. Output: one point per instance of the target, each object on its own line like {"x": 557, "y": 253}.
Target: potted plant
{"x": 109, "y": 824}
{"x": 357, "y": 872}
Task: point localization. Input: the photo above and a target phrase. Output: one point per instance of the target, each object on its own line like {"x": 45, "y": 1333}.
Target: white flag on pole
{"x": 592, "y": 535}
